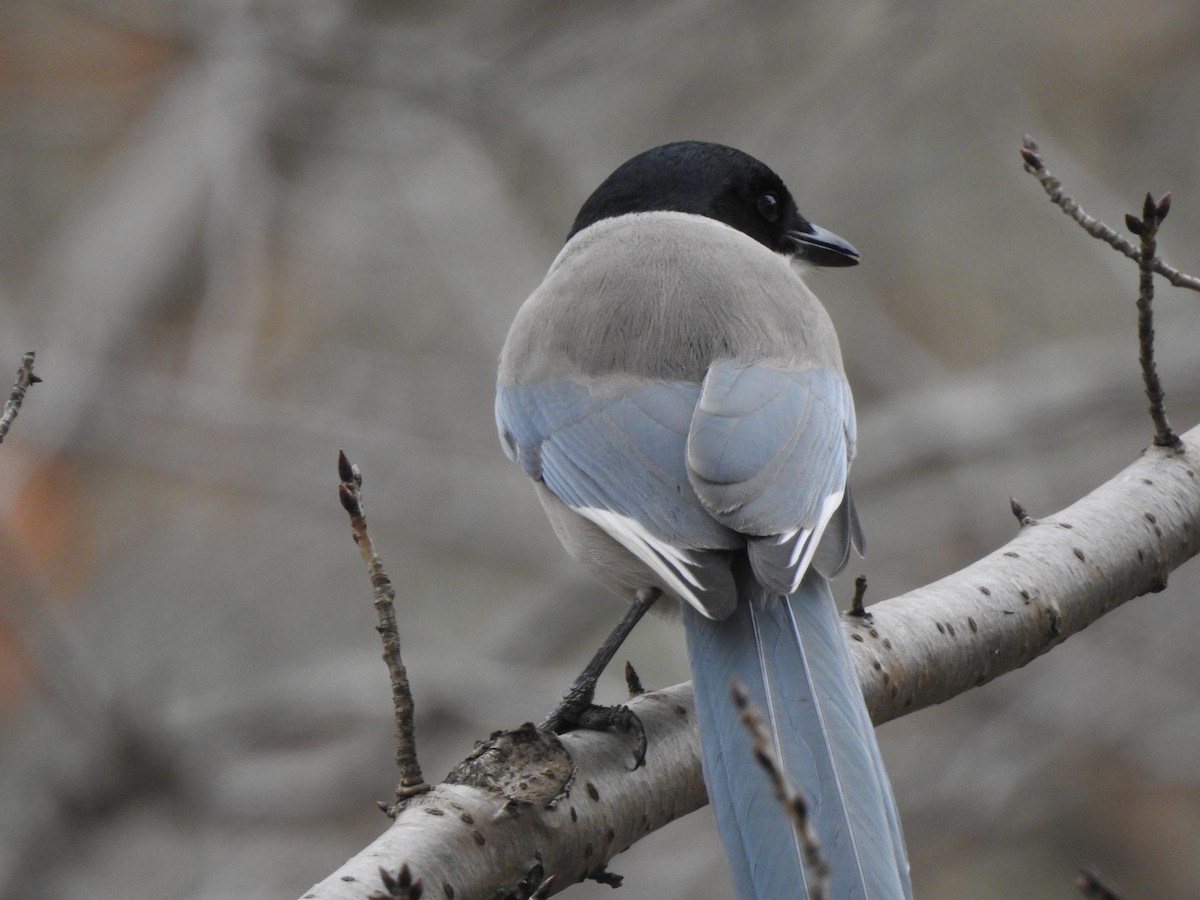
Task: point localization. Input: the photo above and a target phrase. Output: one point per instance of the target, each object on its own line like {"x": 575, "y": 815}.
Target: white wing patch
{"x": 674, "y": 564}
{"x": 800, "y": 536}
{"x": 805, "y": 541}
{"x": 670, "y": 563}
{"x": 828, "y": 508}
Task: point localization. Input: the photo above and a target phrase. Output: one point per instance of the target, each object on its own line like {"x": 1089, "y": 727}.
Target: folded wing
{"x": 768, "y": 453}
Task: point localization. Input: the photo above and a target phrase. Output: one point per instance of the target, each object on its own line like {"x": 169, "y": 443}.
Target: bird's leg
{"x": 576, "y": 710}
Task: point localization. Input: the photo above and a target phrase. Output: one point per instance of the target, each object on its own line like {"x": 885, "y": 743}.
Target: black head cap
{"x": 721, "y": 183}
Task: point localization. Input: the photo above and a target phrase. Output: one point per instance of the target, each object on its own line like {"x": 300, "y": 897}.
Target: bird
{"x": 677, "y": 395}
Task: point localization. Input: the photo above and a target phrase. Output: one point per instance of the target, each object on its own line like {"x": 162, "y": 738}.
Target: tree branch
{"x": 403, "y": 709}
{"x": 484, "y": 828}
{"x": 1146, "y": 228}
{"x": 1036, "y": 166}
{"x": 16, "y": 397}
{"x": 529, "y": 796}
{"x": 1092, "y": 884}
{"x": 1057, "y": 576}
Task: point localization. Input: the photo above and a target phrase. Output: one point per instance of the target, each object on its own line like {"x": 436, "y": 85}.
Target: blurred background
{"x": 242, "y": 235}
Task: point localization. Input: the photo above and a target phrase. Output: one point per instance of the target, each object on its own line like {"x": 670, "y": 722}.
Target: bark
{"x": 527, "y": 803}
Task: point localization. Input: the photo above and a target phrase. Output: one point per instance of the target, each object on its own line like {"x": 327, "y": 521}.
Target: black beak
{"x": 822, "y": 248}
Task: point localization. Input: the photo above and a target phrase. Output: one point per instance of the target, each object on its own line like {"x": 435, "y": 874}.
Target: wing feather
{"x": 617, "y": 459}
{"x": 768, "y": 453}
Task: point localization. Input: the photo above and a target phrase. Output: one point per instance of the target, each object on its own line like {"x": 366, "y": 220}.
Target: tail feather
{"x": 791, "y": 656}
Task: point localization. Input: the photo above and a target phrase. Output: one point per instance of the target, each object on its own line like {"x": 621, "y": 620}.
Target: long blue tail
{"x": 791, "y": 655}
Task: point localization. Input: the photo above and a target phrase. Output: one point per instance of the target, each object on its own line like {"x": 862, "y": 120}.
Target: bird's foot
{"x": 577, "y": 709}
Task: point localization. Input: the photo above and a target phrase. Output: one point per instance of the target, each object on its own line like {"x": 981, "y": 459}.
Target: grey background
{"x": 244, "y": 235}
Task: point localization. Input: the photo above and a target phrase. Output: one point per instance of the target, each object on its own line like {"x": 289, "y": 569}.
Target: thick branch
{"x": 1060, "y": 574}
{"x": 1056, "y": 577}
{"x": 481, "y": 837}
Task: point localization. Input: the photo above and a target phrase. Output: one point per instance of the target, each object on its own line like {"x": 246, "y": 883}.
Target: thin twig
{"x": 1036, "y": 166}
{"x": 633, "y": 681}
{"x": 16, "y": 397}
{"x": 794, "y": 805}
{"x": 857, "y": 607}
{"x": 1146, "y": 256}
{"x": 350, "y": 493}
{"x": 1018, "y": 510}
{"x": 1146, "y": 228}
{"x": 1092, "y": 884}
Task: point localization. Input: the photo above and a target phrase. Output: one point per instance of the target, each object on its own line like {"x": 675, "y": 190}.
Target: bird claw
{"x": 576, "y": 710}
{"x": 574, "y": 713}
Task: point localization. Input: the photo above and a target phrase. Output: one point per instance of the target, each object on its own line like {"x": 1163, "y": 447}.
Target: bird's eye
{"x": 768, "y": 205}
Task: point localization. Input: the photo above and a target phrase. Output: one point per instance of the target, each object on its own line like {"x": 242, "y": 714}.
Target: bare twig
{"x": 1092, "y": 884}
{"x": 1018, "y": 510}
{"x": 1146, "y": 256}
{"x": 1146, "y": 228}
{"x": 633, "y": 681}
{"x": 411, "y": 780}
{"x": 16, "y": 397}
{"x": 857, "y": 608}
{"x": 1036, "y": 166}
{"x": 794, "y": 805}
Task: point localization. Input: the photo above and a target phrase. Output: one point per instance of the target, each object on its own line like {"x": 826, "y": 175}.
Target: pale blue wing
{"x": 768, "y": 453}
{"x": 619, "y": 462}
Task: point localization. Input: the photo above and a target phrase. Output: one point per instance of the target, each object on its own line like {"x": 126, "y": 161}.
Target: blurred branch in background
{"x": 794, "y": 804}
{"x": 16, "y": 396}
{"x": 1093, "y": 885}
{"x": 241, "y": 235}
